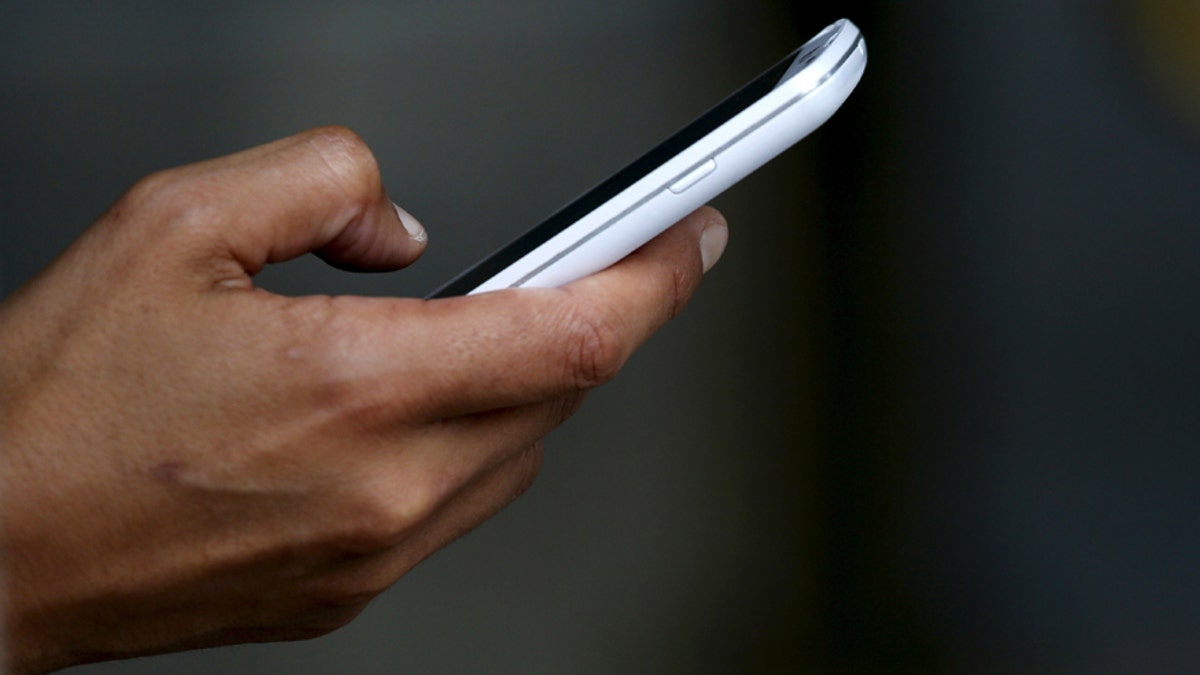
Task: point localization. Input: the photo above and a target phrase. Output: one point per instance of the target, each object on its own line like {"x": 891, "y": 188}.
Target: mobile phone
{"x": 752, "y": 126}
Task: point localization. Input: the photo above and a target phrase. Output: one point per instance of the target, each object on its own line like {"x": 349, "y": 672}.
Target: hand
{"x": 191, "y": 461}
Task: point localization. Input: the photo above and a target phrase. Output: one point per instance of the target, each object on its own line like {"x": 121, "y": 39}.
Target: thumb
{"x": 319, "y": 191}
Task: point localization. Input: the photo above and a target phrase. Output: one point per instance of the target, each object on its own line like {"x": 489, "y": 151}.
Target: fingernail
{"x": 411, "y": 225}
{"x": 712, "y": 244}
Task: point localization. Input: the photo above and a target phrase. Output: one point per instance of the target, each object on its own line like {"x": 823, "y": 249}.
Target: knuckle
{"x": 165, "y": 197}
{"x": 384, "y": 515}
{"x": 350, "y": 589}
{"x": 309, "y": 352}
{"x": 595, "y": 351}
{"x": 319, "y": 350}
{"x": 149, "y": 188}
{"x": 349, "y": 164}
{"x": 326, "y": 612}
{"x": 338, "y": 139}
{"x": 325, "y": 625}
{"x": 684, "y": 280}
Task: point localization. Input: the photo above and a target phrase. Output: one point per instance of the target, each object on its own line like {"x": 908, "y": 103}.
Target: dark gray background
{"x": 936, "y": 410}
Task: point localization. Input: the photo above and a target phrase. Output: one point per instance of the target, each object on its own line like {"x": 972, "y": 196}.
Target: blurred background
{"x": 935, "y": 411}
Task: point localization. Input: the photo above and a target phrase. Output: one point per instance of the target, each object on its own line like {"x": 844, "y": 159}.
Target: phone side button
{"x": 694, "y": 176}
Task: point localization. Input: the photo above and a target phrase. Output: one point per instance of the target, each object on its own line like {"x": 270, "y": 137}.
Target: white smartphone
{"x": 759, "y": 121}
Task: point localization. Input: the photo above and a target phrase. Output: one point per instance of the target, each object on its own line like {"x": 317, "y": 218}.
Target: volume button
{"x": 694, "y": 176}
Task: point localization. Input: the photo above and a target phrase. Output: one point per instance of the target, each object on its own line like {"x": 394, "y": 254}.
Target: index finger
{"x": 512, "y": 347}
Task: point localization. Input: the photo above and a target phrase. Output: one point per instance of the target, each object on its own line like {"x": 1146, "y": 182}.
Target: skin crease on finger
{"x": 191, "y": 461}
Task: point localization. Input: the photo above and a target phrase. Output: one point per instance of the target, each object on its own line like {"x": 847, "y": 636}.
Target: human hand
{"x": 188, "y": 460}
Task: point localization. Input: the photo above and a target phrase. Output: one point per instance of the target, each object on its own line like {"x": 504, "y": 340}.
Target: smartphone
{"x": 752, "y": 126}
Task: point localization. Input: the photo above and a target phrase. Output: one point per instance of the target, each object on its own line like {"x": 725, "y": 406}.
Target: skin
{"x": 189, "y": 461}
